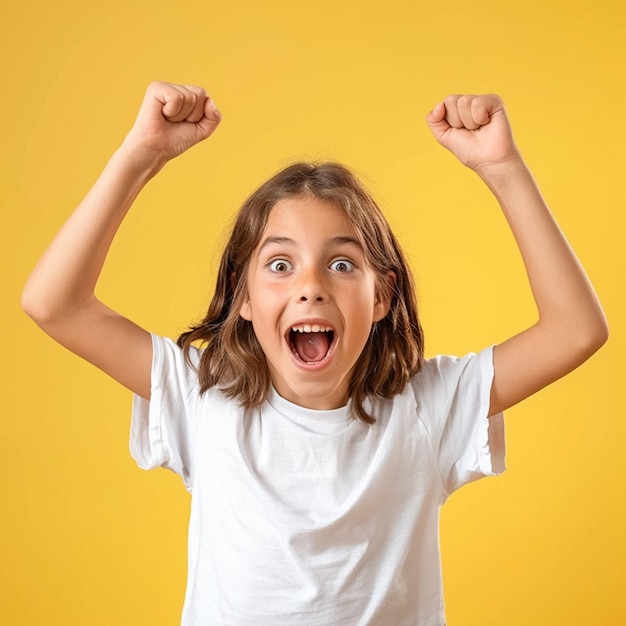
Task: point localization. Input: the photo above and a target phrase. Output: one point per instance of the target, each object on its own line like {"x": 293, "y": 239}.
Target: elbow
{"x": 37, "y": 307}
{"x": 601, "y": 334}
{"x": 570, "y": 346}
{"x": 29, "y": 303}
{"x": 32, "y": 306}
{"x": 594, "y": 337}
{"x": 51, "y": 310}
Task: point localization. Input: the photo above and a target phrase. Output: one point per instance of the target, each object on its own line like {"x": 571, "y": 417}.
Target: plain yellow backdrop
{"x": 86, "y": 537}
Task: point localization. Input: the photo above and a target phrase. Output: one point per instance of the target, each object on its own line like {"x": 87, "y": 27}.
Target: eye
{"x": 279, "y": 266}
{"x": 342, "y": 266}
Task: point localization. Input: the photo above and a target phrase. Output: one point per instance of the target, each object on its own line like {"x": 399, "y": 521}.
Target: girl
{"x": 316, "y": 440}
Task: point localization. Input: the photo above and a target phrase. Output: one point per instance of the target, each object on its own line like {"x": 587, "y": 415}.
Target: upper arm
{"x": 108, "y": 340}
{"x": 533, "y": 359}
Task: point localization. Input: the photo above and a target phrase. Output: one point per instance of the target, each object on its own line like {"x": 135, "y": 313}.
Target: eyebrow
{"x": 291, "y": 242}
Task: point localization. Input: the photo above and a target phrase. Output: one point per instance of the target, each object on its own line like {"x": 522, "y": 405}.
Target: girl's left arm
{"x": 571, "y": 324}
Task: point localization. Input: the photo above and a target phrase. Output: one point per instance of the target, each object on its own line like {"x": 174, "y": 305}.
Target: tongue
{"x": 311, "y": 347}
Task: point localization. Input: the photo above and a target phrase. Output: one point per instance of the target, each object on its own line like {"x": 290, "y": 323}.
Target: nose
{"x": 311, "y": 287}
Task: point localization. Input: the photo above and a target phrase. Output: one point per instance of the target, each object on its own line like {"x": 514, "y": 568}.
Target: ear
{"x": 383, "y": 298}
{"x": 245, "y": 310}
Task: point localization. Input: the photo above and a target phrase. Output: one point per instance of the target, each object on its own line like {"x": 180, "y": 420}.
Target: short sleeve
{"x": 160, "y": 433}
{"x": 454, "y": 395}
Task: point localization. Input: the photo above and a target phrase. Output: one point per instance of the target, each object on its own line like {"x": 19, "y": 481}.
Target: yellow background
{"x": 86, "y": 537}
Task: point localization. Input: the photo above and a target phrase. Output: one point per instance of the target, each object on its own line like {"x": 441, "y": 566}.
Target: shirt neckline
{"x": 326, "y": 422}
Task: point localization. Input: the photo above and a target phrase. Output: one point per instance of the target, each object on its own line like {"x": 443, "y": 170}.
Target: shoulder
{"x": 171, "y": 366}
{"x": 166, "y": 348}
{"x": 445, "y": 381}
{"x": 444, "y": 369}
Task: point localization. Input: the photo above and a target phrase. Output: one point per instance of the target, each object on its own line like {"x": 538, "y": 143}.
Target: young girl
{"x": 317, "y": 442}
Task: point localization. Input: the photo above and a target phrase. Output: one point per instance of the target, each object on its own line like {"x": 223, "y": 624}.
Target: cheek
{"x": 360, "y": 310}
{"x": 262, "y": 300}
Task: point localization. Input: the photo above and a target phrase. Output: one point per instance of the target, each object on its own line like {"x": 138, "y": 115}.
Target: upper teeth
{"x": 311, "y": 328}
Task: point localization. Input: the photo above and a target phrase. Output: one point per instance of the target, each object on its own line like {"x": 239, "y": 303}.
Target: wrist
{"x": 138, "y": 160}
{"x": 499, "y": 173}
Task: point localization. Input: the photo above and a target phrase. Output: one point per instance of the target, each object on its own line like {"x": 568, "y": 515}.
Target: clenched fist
{"x": 171, "y": 119}
{"x": 475, "y": 129}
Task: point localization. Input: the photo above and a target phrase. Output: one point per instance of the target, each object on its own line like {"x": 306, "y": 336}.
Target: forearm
{"x": 65, "y": 277}
{"x": 571, "y": 323}
{"x": 566, "y": 302}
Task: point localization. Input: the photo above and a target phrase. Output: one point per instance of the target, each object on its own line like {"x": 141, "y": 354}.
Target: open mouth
{"x": 311, "y": 343}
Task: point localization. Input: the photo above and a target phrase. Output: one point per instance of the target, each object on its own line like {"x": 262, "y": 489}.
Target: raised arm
{"x": 571, "y": 324}
{"x": 59, "y": 294}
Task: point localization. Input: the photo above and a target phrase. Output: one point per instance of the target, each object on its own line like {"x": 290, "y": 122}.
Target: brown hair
{"x": 232, "y": 357}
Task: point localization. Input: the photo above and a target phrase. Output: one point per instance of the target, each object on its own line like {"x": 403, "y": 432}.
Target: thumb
{"x": 437, "y": 122}
{"x": 212, "y": 117}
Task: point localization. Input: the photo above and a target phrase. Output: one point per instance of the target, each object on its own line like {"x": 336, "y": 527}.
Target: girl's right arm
{"x": 59, "y": 294}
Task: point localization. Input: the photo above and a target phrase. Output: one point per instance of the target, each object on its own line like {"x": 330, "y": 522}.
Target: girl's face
{"x": 312, "y": 300}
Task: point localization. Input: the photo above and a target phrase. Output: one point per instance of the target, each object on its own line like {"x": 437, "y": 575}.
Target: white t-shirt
{"x": 306, "y": 517}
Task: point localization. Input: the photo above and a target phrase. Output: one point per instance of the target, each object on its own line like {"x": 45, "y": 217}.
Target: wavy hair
{"x": 232, "y": 357}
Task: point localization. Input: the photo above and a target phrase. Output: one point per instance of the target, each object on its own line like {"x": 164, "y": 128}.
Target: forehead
{"x": 308, "y": 217}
